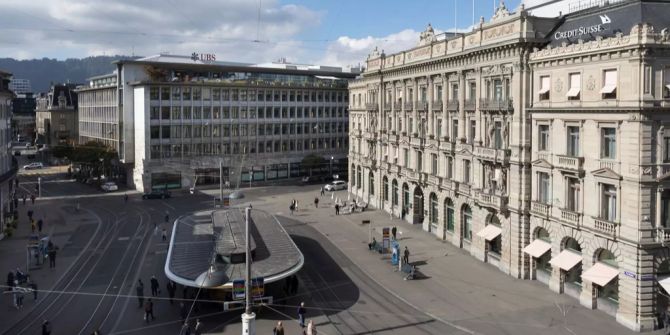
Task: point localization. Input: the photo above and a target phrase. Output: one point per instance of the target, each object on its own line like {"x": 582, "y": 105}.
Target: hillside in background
{"x": 42, "y": 72}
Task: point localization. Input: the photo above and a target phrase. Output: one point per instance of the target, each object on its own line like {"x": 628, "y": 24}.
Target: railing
{"x": 491, "y": 200}
{"x": 447, "y": 146}
{"x": 409, "y": 105}
{"x": 470, "y": 104}
{"x": 496, "y": 104}
{"x": 496, "y": 155}
{"x": 605, "y": 227}
{"x": 449, "y": 184}
{"x": 663, "y": 234}
{"x": 452, "y": 105}
{"x": 540, "y": 208}
{"x": 610, "y": 164}
{"x": 569, "y": 162}
{"x": 418, "y": 141}
{"x": 464, "y": 189}
{"x": 372, "y": 106}
{"x": 544, "y": 155}
{"x": 437, "y": 105}
{"x": 421, "y": 106}
{"x": 434, "y": 180}
{"x": 387, "y": 106}
{"x": 570, "y": 216}
{"x": 397, "y": 106}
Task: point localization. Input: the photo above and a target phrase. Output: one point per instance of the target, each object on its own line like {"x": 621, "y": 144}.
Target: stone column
{"x": 429, "y": 112}
{"x": 445, "y": 95}
{"x": 402, "y": 107}
{"x": 415, "y": 112}
{"x": 461, "y": 101}
{"x": 394, "y": 98}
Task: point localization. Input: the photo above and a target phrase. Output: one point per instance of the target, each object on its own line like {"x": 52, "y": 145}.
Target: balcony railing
{"x": 447, "y": 146}
{"x": 569, "y": 162}
{"x": 434, "y": 180}
{"x": 492, "y": 200}
{"x": 409, "y": 105}
{"x": 492, "y": 154}
{"x": 452, "y": 105}
{"x": 663, "y": 234}
{"x": 605, "y": 227}
{"x": 372, "y": 106}
{"x": 540, "y": 208}
{"x": 570, "y": 217}
{"x": 496, "y": 104}
{"x": 470, "y": 104}
{"x": 437, "y": 105}
{"x": 417, "y": 141}
{"x": 463, "y": 188}
{"x": 544, "y": 155}
{"x": 387, "y": 106}
{"x": 397, "y": 106}
{"x": 421, "y": 106}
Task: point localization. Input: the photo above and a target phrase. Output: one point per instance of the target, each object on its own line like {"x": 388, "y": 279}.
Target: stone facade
{"x": 539, "y": 160}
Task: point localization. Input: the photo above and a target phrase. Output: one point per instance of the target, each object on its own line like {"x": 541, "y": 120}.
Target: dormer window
{"x": 545, "y": 88}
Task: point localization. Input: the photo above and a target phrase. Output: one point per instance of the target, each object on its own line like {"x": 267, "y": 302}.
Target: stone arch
{"x": 418, "y": 205}
{"x": 537, "y": 232}
{"x": 385, "y": 188}
{"x": 395, "y": 193}
{"x": 660, "y": 256}
{"x": 466, "y": 221}
{"x": 565, "y": 239}
{"x": 572, "y": 233}
{"x": 594, "y": 244}
{"x": 371, "y": 183}
{"x": 433, "y": 209}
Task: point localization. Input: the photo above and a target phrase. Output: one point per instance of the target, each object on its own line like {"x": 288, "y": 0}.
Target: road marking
{"x": 164, "y": 203}
{"x": 124, "y": 238}
{"x": 160, "y": 252}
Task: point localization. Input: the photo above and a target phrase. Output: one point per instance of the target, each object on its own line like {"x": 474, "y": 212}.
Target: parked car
{"x": 109, "y": 187}
{"x": 35, "y": 165}
{"x": 336, "y": 185}
{"x": 156, "y": 194}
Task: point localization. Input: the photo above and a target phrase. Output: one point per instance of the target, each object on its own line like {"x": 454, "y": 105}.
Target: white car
{"x": 109, "y": 187}
{"x": 35, "y": 165}
{"x": 336, "y": 185}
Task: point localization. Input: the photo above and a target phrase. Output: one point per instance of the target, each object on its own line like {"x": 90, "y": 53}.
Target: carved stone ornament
{"x": 427, "y": 36}
{"x": 375, "y": 53}
{"x": 558, "y": 85}
{"x": 501, "y": 12}
{"x": 590, "y": 83}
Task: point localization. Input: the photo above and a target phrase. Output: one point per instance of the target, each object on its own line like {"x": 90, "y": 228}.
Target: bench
{"x": 409, "y": 270}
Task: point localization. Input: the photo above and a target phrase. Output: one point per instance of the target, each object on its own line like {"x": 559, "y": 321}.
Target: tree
{"x": 312, "y": 161}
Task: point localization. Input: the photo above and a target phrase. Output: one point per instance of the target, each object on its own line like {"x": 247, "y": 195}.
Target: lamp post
{"x": 331, "y": 165}
{"x": 249, "y": 317}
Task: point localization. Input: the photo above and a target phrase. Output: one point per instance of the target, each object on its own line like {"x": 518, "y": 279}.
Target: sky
{"x": 324, "y": 32}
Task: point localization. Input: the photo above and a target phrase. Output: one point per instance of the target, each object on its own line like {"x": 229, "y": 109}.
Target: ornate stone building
{"x": 536, "y": 144}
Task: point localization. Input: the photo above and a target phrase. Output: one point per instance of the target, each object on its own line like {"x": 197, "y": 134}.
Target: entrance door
{"x": 418, "y": 217}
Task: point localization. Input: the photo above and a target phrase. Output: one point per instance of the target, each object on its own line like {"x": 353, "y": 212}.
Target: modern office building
{"x": 174, "y": 120}
{"x": 536, "y": 144}
{"x": 56, "y": 116}
{"x": 8, "y": 165}
{"x": 23, "y": 117}
{"x": 20, "y": 86}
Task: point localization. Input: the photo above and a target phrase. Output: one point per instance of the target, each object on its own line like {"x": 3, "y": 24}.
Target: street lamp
{"x": 249, "y": 317}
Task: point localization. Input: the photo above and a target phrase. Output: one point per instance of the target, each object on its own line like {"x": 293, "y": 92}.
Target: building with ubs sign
{"x": 539, "y": 145}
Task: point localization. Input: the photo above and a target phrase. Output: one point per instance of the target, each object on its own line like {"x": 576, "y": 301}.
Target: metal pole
{"x": 248, "y": 318}
{"x": 39, "y": 187}
{"x": 220, "y": 183}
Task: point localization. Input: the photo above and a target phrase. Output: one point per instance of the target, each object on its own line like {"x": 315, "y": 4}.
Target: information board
{"x": 238, "y": 289}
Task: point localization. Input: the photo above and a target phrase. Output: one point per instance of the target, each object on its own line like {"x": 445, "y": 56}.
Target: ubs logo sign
{"x": 604, "y": 25}
{"x": 203, "y": 57}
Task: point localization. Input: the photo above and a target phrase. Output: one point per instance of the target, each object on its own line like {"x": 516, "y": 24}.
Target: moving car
{"x": 156, "y": 194}
{"x": 109, "y": 187}
{"x": 35, "y": 165}
{"x": 336, "y": 185}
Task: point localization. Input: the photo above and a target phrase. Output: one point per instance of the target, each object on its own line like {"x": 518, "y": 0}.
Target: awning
{"x": 573, "y": 92}
{"x": 607, "y": 89}
{"x": 544, "y": 90}
{"x": 667, "y": 86}
{"x": 537, "y": 248}
{"x": 566, "y": 260}
{"x": 600, "y": 274}
{"x": 665, "y": 283}
{"x": 489, "y": 232}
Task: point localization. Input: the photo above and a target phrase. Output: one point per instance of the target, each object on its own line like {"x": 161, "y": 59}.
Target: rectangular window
{"x": 608, "y": 198}
{"x": 450, "y": 167}
{"x": 438, "y": 93}
{"x": 608, "y": 143}
{"x": 454, "y": 92}
{"x": 466, "y": 171}
{"x": 575, "y": 86}
{"x": 573, "y": 142}
{"x": 648, "y": 77}
{"x": 419, "y": 161}
{"x": 544, "y": 87}
{"x": 472, "y": 131}
{"x": 497, "y": 89}
{"x": 497, "y": 135}
{"x": 165, "y": 93}
{"x": 608, "y": 90}
{"x": 155, "y": 132}
{"x": 666, "y": 149}
{"x": 543, "y": 188}
{"x": 472, "y": 91}
{"x": 454, "y": 130}
{"x": 405, "y": 154}
{"x": 666, "y": 83}
{"x": 433, "y": 164}
{"x": 574, "y": 190}
{"x": 153, "y": 93}
{"x": 543, "y": 137}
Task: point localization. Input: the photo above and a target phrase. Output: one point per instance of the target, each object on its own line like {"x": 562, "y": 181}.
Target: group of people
{"x": 20, "y": 284}
{"x": 294, "y": 206}
{"x": 148, "y": 304}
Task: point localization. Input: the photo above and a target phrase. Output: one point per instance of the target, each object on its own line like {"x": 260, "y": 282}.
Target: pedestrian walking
{"x": 33, "y": 226}
{"x": 337, "y": 209}
{"x": 33, "y": 287}
{"x": 394, "y": 230}
{"x": 155, "y": 288}
{"x": 294, "y": 284}
{"x": 149, "y": 310}
{"x": 164, "y": 235}
{"x": 322, "y": 191}
{"x": 316, "y": 202}
{"x": 24, "y": 198}
{"x": 291, "y": 208}
{"x": 140, "y": 293}
{"x": 51, "y": 253}
{"x": 185, "y": 329}
{"x": 30, "y": 214}
{"x": 171, "y": 289}
{"x": 18, "y": 295}
{"x": 301, "y": 314}
{"x": 199, "y": 327}
{"x": 405, "y": 256}
{"x": 402, "y": 213}
{"x": 46, "y": 327}
{"x": 279, "y": 329}
{"x": 125, "y": 198}
{"x": 311, "y": 328}
{"x": 167, "y": 216}
{"x": 32, "y": 199}
{"x": 40, "y": 224}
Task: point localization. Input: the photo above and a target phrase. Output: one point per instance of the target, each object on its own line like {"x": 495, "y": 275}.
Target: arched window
{"x": 395, "y": 192}
{"x": 467, "y": 223}
{"x": 371, "y": 183}
{"x": 449, "y": 214}
{"x": 405, "y": 197}
{"x": 495, "y": 245}
{"x": 573, "y": 276}
{"x": 610, "y": 290}
{"x": 385, "y": 191}
{"x": 433, "y": 211}
{"x": 353, "y": 176}
{"x": 542, "y": 262}
{"x": 359, "y": 183}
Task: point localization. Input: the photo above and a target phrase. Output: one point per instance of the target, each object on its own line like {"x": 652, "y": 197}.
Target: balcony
{"x": 397, "y": 106}
{"x": 421, "y": 106}
{"x": 387, "y": 106}
{"x": 372, "y": 106}
{"x": 604, "y": 227}
{"x": 434, "y": 180}
{"x": 570, "y": 217}
{"x": 417, "y": 141}
{"x": 452, "y": 105}
{"x": 394, "y": 169}
{"x": 437, "y": 105}
{"x": 544, "y": 155}
{"x": 447, "y": 146}
{"x": 409, "y": 105}
{"x": 411, "y": 175}
{"x": 663, "y": 234}
{"x": 492, "y": 200}
{"x": 610, "y": 164}
{"x": 569, "y": 163}
{"x": 492, "y": 154}
{"x": 496, "y": 104}
{"x": 540, "y": 209}
{"x": 463, "y": 189}
{"x": 470, "y": 104}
